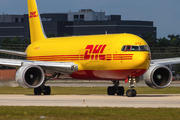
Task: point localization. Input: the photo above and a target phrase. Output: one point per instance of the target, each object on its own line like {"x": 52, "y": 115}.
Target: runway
{"x": 140, "y": 101}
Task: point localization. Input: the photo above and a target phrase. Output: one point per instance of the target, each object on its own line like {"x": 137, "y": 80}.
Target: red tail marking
{"x": 33, "y": 14}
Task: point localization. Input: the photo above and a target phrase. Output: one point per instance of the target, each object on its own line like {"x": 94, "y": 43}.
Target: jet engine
{"x": 30, "y": 76}
{"x": 158, "y": 76}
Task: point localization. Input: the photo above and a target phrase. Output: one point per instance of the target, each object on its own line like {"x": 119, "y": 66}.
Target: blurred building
{"x": 83, "y": 22}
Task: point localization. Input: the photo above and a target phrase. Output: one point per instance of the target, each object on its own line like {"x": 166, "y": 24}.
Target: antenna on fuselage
{"x": 106, "y": 32}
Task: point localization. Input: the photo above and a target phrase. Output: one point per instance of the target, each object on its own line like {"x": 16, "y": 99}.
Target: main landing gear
{"x": 46, "y": 90}
{"x": 112, "y": 90}
{"x": 115, "y": 89}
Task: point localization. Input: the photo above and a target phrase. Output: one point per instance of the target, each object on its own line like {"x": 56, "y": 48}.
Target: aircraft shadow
{"x": 141, "y": 95}
{"x": 164, "y": 95}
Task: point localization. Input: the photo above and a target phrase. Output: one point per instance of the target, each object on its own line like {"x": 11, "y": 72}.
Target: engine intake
{"x": 30, "y": 76}
{"x": 158, "y": 77}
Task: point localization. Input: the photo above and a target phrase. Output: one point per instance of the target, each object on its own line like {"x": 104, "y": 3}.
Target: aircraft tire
{"x": 131, "y": 93}
{"x": 37, "y": 91}
{"x": 134, "y": 93}
{"x": 111, "y": 90}
{"x": 120, "y": 90}
{"x": 47, "y": 90}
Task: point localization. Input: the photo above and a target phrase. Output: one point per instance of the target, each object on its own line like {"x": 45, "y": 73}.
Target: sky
{"x": 165, "y": 14}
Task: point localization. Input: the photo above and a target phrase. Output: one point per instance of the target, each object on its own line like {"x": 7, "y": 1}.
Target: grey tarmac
{"x": 140, "y": 101}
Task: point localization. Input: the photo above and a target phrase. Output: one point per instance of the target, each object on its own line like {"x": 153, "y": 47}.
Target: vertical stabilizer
{"x": 35, "y": 24}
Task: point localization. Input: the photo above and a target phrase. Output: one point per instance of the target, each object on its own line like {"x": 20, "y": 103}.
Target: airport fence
{"x": 164, "y": 52}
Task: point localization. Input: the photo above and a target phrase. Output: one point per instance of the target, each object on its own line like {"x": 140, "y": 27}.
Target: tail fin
{"x": 35, "y": 24}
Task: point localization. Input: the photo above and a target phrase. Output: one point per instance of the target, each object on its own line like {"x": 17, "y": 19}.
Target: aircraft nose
{"x": 141, "y": 60}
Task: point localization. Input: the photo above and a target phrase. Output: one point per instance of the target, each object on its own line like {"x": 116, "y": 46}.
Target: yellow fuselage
{"x": 97, "y": 56}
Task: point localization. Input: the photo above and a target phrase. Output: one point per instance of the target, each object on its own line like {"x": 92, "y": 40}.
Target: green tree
{"x": 174, "y": 40}
{"x": 162, "y": 42}
{"x": 5, "y": 42}
{"x": 26, "y": 41}
{"x": 16, "y": 40}
{"x": 149, "y": 38}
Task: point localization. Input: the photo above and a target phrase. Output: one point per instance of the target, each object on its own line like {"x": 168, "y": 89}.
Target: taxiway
{"x": 140, "y": 101}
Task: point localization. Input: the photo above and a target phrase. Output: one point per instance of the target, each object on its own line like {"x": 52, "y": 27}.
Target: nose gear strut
{"x": 132, "y": 92}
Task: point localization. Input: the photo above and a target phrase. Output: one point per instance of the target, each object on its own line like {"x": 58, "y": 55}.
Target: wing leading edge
{"x": 167, "y": 61}
{"x": 62, "y": 67}
{"x": 22, "y": 54}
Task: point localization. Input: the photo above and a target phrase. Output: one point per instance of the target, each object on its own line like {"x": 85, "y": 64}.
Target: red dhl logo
{"x": 94, "y": 52}
{"x": 121, "y": 57}
{"x": 33, "y": 14}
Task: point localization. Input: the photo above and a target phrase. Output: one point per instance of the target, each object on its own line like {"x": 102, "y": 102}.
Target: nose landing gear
{"x": 132, "y": 92}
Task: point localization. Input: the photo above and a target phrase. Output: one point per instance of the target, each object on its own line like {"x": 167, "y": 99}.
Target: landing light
{"x": 73, "y": 67}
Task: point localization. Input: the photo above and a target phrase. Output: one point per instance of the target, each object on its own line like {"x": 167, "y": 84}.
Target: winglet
{"x": 35, "y": 24}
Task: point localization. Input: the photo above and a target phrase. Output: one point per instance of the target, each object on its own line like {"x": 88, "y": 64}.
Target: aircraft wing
{"x": 62, "y": 67}
{"x": 22, "y": 54}
{"x": 167, "y": 61}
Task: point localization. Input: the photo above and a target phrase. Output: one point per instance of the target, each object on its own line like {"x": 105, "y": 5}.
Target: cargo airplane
{"x": 114, "y": 57}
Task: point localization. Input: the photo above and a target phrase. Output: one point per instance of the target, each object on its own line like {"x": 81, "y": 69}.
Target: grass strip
{"x": 87, "y": 113}
{"x": 87, "y": 90}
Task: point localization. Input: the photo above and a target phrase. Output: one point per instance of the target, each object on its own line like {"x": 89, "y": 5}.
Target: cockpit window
{"x": 144, "y": 48}
{"x": 135, "y": 48}
{"x": 123, "y": 48}
{"x": 128, "y": 48}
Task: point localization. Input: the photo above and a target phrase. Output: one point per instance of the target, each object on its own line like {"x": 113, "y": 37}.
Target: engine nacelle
{"x": 158, "y": 77}
{"x": 30, "y": 76}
